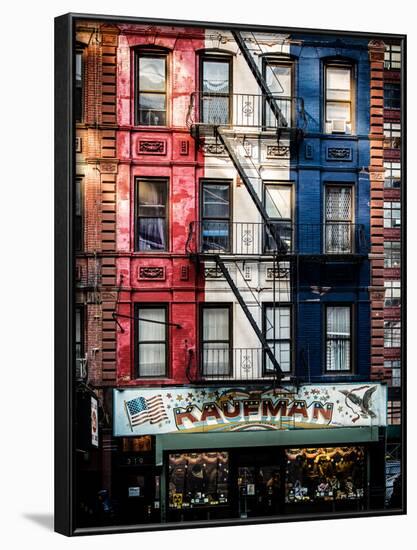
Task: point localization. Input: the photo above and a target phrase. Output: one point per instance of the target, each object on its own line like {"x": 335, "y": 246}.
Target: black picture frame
{"x": 65, "y": 266}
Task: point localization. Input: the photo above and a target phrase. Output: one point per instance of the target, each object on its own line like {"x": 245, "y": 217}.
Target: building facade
{"x": 229, "y": 236}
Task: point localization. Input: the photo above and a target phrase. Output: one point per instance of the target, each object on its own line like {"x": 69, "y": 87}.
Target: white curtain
{"x": 152, "y": 346}
{"x": 338, "y": 338}
{"x": 216, "y": 352}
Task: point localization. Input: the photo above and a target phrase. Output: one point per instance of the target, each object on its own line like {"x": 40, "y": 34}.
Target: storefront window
{"x": 198, "y": 479}
{"x": 324, "y": 474}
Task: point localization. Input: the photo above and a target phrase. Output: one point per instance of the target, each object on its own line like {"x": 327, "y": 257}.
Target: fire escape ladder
{"x": 225, "y": 272}
{"x": 246, "y": 52}
{"x": 250, "y": 175}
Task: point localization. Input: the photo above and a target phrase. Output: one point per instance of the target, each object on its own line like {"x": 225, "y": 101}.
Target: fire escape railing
{"x": 243, "y": 111}
{"x": 255, "y": 238}
{"x": 234, "y": 364}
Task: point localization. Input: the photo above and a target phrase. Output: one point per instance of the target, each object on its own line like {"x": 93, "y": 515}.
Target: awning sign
{"x": 94, "y": 422}
{"x": 192, "y": 410}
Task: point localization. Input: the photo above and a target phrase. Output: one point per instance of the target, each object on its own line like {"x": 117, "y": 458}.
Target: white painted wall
{"x": 244, "y": 210}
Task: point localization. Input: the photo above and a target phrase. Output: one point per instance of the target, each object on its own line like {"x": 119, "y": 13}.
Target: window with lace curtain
{"x": 338, "y": 224}
{"x": 215, "y": 88}
{"x": 339, "y": 338}
{"x": 151, "y": 340}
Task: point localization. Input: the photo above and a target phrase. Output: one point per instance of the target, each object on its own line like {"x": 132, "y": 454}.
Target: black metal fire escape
{"x": 250, "y": 176}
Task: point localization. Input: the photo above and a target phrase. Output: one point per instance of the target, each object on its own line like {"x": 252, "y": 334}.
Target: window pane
{"x": 338, "y": 78}
{"x": 216, "y": 358}
{"x": 283, "y": 231}
{"x": 338, "y": 203}
{"x": 152, "y": 359}
{"x": 152, "y": 109}
{"x": 278, "y": 326}
{"x": 215, "y": 324}
{"x": 338, "y": 111}
{"x": 278, "y": 79}
{"x": 282, "y": 353}
{"x": 215, "y": 110}
{"x": 151, "y": 234}
{"x": 78, "y": 68}
{"x": 151, "y": 331}
{"x": 215, "y": 236}
{"x": 216, "y": 77}
{"x": 338, "y": 322}
{"x": 278, "y": 201}
{"x": 152, "y": 198}
{"x": 392, "y": 254}
{"x": 78, "y": 333}
{"x": 152, "y": 74}
{"x": 392, "y": 96}
{"x": 338, "y": 84}
{"x": 216, "y": 201}
{"x": 338, "y": 355}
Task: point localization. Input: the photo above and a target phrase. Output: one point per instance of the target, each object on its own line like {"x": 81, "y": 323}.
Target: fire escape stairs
{"x": 249, "y": 175}
{"x": 226, "y": 274}
{"x": 253, "y": 66}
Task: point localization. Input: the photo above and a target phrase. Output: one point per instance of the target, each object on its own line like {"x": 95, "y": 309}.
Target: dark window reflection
{"x": 152, "y": 211}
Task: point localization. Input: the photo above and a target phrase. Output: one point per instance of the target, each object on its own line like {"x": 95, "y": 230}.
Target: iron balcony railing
{"x": 244, "y": 110}
{"x": 255, "y": 238}
{"x": 239, "y": 364}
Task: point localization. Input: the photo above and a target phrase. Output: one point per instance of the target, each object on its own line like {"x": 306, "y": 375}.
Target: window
{"x": 325, "y": 474}
{"x": 277, "y": 330}
{"x": 278, "y": 77}
{"x": 79, "y": 332}
{"x": 79, "y": 81}
{"x": 392, "y": 215}
{"x": 338, "y": 338}
{"x": 278, "y": 206}
{"x": 392, "y": 177}
{"x": 392, "y": 56}
{"x": 338, "y": 225}
{"x": 80, "y": 356}
{"x": 151, "y": 96}
{"x": 339, "y": 97}
{"x": 78, "y": 218}
{"x": 215, "y": 87}
{"x": 216, "y": 214}
{"x": 394, "y": 366}
{"x": 392, "y": 334}
{"x": 216, "y": 340}
{"x": 392, "y": 293}
{"x": 152, "y": 338}
{"x": 198, "y": 480}
{"x": 392, "y": 254}
{"x": 394, "y": 412}
{"x": 151, "y": 223}
{"x": 392, "y": 133}
{"x": 392, "y": 96}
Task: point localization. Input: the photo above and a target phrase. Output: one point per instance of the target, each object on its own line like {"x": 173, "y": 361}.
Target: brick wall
{"x": 376, "y": 177}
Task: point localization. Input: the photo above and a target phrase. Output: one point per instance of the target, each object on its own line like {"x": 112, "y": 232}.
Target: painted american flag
{"x": 141, "y": 410}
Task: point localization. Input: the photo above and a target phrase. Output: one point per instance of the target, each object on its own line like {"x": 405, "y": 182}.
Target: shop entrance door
{"x": 136, "y": 495}
{"x": 260, "y": 488}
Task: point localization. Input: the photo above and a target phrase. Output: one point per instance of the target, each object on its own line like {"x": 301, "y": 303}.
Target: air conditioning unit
{"x": 338, "y": 127}
{"x": 81, "y": 368}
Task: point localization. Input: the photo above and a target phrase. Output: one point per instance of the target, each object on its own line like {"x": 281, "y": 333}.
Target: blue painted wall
{"x": 311, "y": 170}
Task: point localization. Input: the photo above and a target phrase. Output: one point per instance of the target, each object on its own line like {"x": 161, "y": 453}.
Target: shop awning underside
{"x": 263, "y": 438}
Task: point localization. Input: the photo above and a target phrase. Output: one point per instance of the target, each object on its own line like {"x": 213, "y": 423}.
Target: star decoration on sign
{"x": 180, "y": 397}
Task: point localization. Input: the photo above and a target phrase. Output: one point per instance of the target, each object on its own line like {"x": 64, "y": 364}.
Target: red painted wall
{"x": 180, "y": 164}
